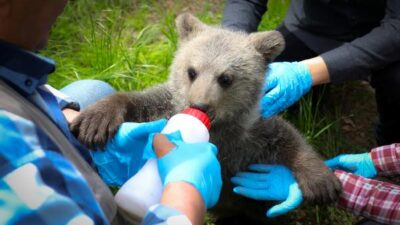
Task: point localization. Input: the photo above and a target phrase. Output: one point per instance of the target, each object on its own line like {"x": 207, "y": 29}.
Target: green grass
{"x": 130, "y": 44}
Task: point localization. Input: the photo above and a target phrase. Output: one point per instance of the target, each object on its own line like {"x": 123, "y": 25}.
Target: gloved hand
{"x": 285, "y": 84}
{"x": 195, "y": 164}
{"x": 123, "y": 155}
{"x": 359, "y": 164}
{"x": 270, "y": 183}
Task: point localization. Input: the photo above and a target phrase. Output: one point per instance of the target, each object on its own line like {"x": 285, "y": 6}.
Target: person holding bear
{"x": 372, "y": 199}
{"x": 47, "y": 176}
{"x": 332, "y": 42}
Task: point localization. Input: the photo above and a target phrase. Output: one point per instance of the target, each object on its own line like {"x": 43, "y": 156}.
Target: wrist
{"x": 370, "y": 165}
{"x": 70, "y": 114}
{"x": 318, "y": 70}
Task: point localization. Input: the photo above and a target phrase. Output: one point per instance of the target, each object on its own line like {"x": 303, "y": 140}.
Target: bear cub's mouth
{"x": 207, "y": 109}
{"x": 200, "y": 106}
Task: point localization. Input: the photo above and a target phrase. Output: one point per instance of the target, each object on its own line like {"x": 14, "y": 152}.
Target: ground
{"x": 130, "y": 44}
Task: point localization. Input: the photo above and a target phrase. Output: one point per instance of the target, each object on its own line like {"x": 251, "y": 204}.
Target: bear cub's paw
{"x": 320, "y": 188}
{"x": 99, "y": 122}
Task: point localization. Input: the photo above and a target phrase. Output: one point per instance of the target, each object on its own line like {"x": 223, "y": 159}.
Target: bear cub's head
{"x": 221, "y": 71}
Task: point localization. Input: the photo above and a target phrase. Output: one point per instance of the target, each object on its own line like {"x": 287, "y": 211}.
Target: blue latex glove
{"x": 195, "y": 164}
{"x": 285, "y": 84}
{"x": 123, "y": 155}
{"x": 270, "y": 183}
{"x": 359, "y": 164}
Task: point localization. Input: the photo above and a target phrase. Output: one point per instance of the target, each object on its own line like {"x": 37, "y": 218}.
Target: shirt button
{"x": 28, "y": 82}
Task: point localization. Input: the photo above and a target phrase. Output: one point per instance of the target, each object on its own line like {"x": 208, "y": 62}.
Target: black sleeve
{"x": 373, "y": 51}
{"x": 244, "y": 15}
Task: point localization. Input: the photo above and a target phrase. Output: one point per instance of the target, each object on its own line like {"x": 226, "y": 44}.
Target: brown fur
{"x": 241, "y": 134}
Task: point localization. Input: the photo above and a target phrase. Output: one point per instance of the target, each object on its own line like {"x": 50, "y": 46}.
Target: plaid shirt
{"x": 387, "y": 159}
{"x": 374, "y": 199}
{"x": 37, "y": 184}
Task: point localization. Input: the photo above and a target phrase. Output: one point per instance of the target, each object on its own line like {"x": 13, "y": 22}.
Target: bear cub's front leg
{"x": 99, "y": 122}
{"x": 288, "y": 147}
{"x": 317, "y": 182}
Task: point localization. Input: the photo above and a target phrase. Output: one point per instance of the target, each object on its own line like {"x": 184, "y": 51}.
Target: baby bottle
{"x": 145, "y": 188}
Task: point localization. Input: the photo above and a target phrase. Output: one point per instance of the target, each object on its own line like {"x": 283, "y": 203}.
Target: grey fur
{"x": 241, "y": 134}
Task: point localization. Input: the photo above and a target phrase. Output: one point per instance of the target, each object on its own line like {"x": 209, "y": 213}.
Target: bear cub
{"x": 222, "y": 73}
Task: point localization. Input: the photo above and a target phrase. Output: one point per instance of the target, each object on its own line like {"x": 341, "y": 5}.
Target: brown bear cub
{"x": 222, "y": 73}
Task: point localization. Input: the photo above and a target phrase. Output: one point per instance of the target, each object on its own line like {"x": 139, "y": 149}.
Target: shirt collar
{"x": 23, "y": 69}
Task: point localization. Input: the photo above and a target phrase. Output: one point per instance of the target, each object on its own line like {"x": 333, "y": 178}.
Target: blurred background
{"x": 130, "y": 44}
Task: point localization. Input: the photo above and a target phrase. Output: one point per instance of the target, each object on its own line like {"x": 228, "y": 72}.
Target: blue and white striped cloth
{"x": 37, "y": 184}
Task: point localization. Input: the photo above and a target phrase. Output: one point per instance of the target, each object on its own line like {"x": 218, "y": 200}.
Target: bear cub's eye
{"x": 225, "y": 81}
{"x": 192, "y": 74}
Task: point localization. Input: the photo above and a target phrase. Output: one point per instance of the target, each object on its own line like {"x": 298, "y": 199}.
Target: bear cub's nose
{"x": 200, "y": 106}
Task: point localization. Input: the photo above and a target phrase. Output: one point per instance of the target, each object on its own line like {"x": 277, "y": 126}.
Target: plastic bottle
{"x": 145, "y": 188}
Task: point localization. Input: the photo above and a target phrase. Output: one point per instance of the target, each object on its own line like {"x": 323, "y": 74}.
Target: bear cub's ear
{"x": 188, "y": 26}
{"x": 269, "y": 43}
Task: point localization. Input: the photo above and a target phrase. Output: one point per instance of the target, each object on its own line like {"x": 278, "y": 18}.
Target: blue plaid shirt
{"x": 37, "y": 184}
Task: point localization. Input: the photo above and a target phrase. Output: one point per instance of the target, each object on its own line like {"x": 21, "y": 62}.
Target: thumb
{"x": 144, "y": 129}
{"x": 280, "y": 104}
{"x": 270, "y": 78}
{"x": 270, "y": 83}
{"x": 269, "y": 100}
{"x": 214, "y": 149}
{"x": 333, "y": 163}
{"x": 294, "y": 199}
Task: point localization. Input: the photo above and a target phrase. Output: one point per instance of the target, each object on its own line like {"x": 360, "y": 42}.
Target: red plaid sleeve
{"x": 387, "y": 159}
{"x": 376, "y": 200}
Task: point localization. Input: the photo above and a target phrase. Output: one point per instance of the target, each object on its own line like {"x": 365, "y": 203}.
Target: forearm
{"x": 181, "y": 196}
{"x": 186, "y": 199}
{"x": 154, "y": 103}
{"x": 386, "y": 159}
{"x": 244, "y": 15}
{"x": 375, "y": 50}
{"x": 376, "y": 200}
